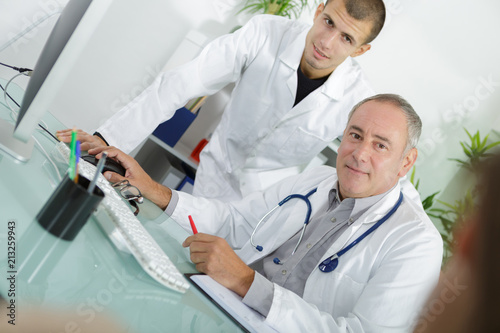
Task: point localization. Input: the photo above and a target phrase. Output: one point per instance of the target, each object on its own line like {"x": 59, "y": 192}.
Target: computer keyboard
{"x": 128, "y": 231}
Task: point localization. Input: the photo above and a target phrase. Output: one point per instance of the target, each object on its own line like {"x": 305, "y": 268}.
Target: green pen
{"x": 72, "y": 156}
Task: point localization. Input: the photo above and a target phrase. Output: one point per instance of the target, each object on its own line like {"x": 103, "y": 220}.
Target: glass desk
{"x": 88, "y": 277}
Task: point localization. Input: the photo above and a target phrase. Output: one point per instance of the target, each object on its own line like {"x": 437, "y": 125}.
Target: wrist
{"x": 160, "y": 195}
{"x": 98, "y": 136}
{"x": 245, "y": 282}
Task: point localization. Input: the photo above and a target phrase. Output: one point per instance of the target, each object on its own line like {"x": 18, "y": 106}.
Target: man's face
{"x": 333, "y": 37}
{"x": 371, "y": 155}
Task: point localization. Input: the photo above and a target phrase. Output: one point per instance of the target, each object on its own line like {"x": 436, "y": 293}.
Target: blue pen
{"x": 77, "y": 159}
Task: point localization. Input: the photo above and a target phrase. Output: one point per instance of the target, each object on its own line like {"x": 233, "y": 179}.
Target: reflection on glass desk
{"x": 88, "y": 277}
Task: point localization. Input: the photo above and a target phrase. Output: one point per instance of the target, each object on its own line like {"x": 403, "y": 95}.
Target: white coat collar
{"x": 335, "y": 86}
{"x": 292, "y": 54}
{"x": 371, "y": 216}
{"x": 378, "y": 211}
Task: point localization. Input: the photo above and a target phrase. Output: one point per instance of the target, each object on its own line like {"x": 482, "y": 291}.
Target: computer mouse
{"x": 109, "y": 164}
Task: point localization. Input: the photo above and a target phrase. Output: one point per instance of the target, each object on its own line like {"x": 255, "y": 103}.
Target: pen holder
{"x": 69, "y": 208}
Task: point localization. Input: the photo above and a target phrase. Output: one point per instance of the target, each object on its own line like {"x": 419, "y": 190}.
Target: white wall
{"x": 440, "y": 55}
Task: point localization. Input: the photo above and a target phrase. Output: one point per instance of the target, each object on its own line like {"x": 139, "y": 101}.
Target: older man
{"x": 368, "y": 256}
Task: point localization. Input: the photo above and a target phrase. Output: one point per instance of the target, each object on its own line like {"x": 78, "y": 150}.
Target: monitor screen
{"x": 68, "y": 38}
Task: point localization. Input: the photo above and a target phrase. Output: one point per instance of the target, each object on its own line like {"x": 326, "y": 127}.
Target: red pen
{"x": 192, "y": 225}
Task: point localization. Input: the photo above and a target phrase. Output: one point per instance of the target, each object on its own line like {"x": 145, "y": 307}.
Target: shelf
{"x": 180, "y": 151}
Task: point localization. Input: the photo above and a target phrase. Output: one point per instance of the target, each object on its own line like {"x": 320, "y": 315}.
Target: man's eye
{"x": 329, "y": 22}
{"x": 381, "y": 146}
{"x": 347, "y": 39}
{"x": 355, "y": 136}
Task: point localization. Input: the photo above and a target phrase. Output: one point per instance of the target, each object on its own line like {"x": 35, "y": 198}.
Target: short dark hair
{"x": 413, "y": 121}
{"x": 366, "y": 10}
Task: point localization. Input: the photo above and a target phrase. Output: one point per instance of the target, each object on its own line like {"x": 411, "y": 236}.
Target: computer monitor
{"x": 71, "y": 33}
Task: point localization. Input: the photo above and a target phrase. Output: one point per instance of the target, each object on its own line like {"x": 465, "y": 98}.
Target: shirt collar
{"x": 357, "y": 206}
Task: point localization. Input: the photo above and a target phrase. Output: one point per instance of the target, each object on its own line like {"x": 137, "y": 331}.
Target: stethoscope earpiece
{"x": 277, "y": 261}
{"x": 259, "y": 248}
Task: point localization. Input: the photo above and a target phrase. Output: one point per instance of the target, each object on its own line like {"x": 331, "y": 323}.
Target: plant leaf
{"x": 412, "y": 177}
{"x": 491, "y": 145}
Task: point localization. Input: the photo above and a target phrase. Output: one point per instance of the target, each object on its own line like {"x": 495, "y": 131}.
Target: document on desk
{"x": 231, "y": 303}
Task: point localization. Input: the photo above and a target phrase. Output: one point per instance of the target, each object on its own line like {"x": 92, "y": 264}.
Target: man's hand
{"x": 87, "y": 141}
{"x": 214, "y": 257}
{"x": 158, "y": 194}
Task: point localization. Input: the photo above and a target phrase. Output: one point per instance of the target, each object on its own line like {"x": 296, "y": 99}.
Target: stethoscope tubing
{"x": 330, "y": 263}
{"x": 281, "y": 203}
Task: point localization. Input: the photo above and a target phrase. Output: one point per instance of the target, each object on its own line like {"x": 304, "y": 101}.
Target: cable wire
{"x": 48, "y": 157}
{"x": 8, "y": 95}
{"x": 5, "y": 96}
{"x": 26, "y": 71}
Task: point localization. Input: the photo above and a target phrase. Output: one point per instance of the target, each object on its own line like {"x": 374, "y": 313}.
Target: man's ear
{"x": 408, "y": 162}
{"x": 360, "y": 50}
{"x": 319, "y": 10}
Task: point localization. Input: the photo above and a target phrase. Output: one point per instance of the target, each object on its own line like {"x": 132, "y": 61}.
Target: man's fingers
{"x": 85, "y": 146}
{"x": 88, "y": 141}
{"x": 63, "y": 137}
{"x": 202, "y": 267}
{"x": 113, "y": 177}
{"x": 97, "y": 150}
{"x": 199, "y": 237}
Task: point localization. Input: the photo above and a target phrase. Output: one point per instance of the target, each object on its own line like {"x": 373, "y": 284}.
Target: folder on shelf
{"x": 171, "y": 131}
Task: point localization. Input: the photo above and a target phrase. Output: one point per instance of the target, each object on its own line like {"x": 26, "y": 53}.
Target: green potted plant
{"x": 450, "y": 216}
{"x": 287, "y": 8}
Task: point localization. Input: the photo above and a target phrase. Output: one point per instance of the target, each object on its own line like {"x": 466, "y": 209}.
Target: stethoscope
{"x": 329, "y": 264}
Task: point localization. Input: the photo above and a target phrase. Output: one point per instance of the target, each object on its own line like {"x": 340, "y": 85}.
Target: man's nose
{"x": 362, "y": 152}
{"x": 329, "y": 39}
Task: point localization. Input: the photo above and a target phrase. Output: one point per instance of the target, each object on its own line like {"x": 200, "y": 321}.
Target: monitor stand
{"x": 19, "y": 150}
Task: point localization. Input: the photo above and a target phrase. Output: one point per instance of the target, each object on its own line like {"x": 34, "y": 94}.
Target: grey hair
{"x": 413, "y": 122}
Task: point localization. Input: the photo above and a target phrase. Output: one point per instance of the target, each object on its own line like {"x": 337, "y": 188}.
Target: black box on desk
{"x": 171, "y": 131}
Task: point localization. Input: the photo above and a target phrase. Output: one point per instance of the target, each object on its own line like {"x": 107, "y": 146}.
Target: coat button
{"x": 283, "y": 272}
{"x": 333, "y": 219}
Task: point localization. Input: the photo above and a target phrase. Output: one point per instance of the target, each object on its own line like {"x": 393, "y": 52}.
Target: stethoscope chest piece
{"x": 329, "y": 264}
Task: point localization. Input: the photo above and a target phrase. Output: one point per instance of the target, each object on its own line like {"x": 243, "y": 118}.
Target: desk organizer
{"x": 69, "y": 207}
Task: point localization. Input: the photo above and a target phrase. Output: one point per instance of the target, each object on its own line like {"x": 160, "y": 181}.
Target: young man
{"x": 294, "y": 87}
{"x": 380, "y": 283}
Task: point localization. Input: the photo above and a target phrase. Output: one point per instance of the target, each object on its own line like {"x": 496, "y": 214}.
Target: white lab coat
{"x": 379, "y": 285}
{"x": 259, "y": 132}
